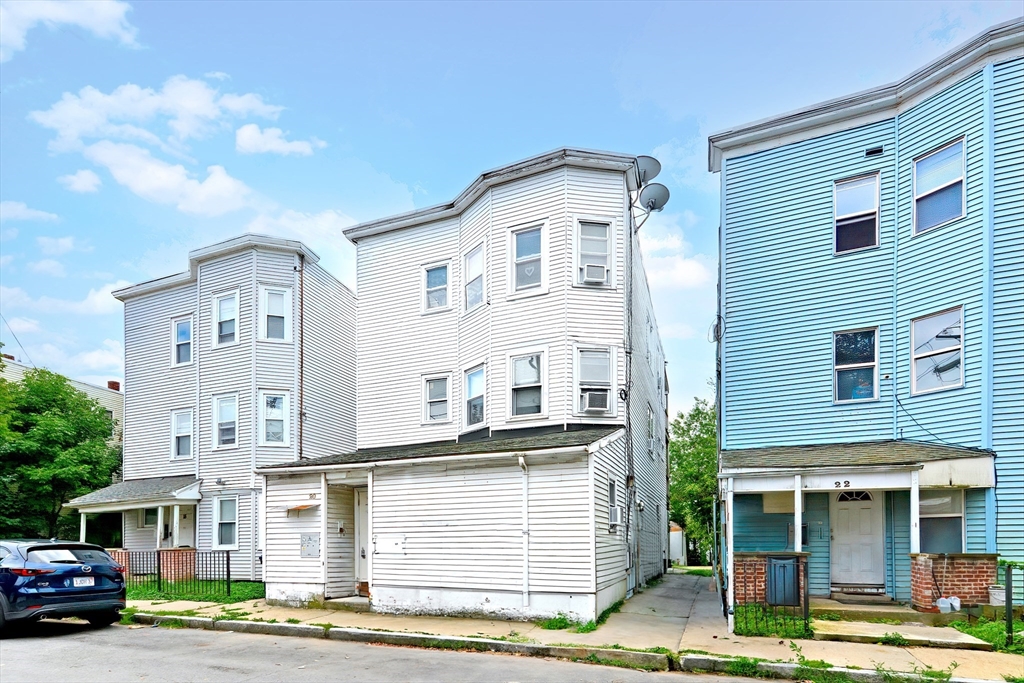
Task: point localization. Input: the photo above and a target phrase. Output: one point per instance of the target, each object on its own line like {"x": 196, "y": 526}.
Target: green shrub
{"x": 292, "y": 620}
{"x": 556, "y": 623}
{"x": 828, "y": 616}
{"x": 994, "y": 632}
{"x": 894, "y": 639}
{"x": 202, "y": 591}
{"x": 586, "y": 627}
{"x": 743, "y": 666}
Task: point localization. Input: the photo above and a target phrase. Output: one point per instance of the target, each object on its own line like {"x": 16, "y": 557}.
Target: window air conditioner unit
{"x": 614, "y": 515}
{"x": 595, "y": 274}
{"x": 595, "y": 400}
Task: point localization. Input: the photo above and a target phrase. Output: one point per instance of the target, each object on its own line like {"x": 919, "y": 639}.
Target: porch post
{"x": 915, "y": 513}
{"x": 159, "y": 525}
{"x": 798, "y": 513}
{"x": 730, "y": 561}
{"x": 175, "y": 527}
{"x": 81, "y": 530}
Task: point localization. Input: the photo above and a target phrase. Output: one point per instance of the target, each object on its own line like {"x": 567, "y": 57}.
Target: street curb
{"x": 644, "y": 660}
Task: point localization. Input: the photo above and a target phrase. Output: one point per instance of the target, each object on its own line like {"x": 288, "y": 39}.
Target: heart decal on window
{"x": 529, "y": 270}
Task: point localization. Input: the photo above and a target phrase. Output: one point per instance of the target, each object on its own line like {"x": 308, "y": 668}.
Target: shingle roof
{"x": 492, "y": 444}
{"x": 891, "y": 452}
{"x": 134, "y": 490}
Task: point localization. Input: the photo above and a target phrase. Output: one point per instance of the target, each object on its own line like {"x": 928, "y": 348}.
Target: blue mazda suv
{"x": 59, "y": 579}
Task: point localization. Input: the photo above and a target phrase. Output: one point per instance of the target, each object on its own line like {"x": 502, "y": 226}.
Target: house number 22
{"x": 842, "y": 484}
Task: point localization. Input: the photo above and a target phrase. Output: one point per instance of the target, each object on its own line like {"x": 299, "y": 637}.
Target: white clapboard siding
{"x": 135, "y": 537}
{"x": 341, "y": 574}
{"x": 474, "y": 329}
{"x": 283, "y": 563}
{"x": 609, "y": 464}
{"x": 244, "y": 566}
{"x": 559, "y": 526}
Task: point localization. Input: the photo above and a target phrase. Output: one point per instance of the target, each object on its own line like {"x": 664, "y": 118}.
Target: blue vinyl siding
{"x": 755, "y": 530}
{"x": 897, "y": 544}
{"x": 818, "y": 543}
{"x": 974, "y": 520}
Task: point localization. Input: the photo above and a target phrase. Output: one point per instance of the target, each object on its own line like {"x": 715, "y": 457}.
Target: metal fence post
{"x": 1009, "y": 605}
{"x": 807, "y": 596}
{"x": 159, "y": 573}
{"x": 227, "y": 558}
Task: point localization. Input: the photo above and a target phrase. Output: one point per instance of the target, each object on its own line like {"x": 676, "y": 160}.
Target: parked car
{"x": 59, "y": 579}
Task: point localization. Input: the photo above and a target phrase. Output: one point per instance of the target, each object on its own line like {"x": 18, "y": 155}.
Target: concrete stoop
{"x": 913, "y": 635}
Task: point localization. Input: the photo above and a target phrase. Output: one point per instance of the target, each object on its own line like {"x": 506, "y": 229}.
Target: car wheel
{"x": 103, "y": 618}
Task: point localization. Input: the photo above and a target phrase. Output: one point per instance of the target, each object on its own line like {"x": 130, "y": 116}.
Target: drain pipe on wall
{"x": 526, "y": 531}
{"x": 302, "y": 347}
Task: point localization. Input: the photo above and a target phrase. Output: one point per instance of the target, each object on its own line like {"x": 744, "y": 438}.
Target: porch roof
{"x": 140, "y": 493}
{"x": 868, "y": 453}
{"x": 496, "y": 443}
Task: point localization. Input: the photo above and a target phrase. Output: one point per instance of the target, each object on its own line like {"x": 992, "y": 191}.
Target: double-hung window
{"x": 225, "y": 315}
{"x": 225, "y": 513}
{"x": 474, "y": 277}
{"x": 225, "y": 418}
{"x": 475, "y": 396}
{"x": 595, "y": 380}
{"x": 936, "y": 351}
{"x": 939, "y": 187}
{"x": 147, "y": 518}
{"x": 527, "y": 385}
{"x": 527, "y": 266}
{"x": 652, "y": 444}
{"x": 594, "y": 254}
{"x": 275, "y": 321}
{"x": 182, "y": 330}
{"x": 273, "y": 418}
{"x": 436, "y": 398}
{"x": 435, "y": 287}
{"x": 856, "y": 213}
{"x": 181, "y": 432}
{"x": 855, "y": 360}
{"x": 942, "y": 521}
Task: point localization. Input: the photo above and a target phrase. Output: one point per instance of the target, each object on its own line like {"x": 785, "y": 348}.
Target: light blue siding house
{"x": 871, "y": 333}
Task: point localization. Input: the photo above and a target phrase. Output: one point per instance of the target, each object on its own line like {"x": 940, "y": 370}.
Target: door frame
{"x": 361, "y": 494}
{"x": 878, "y": 504}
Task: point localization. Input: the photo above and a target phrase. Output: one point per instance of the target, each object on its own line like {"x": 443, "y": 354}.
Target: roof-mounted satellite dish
{"x": 654, "y": 197}
{"x": 649, "y": 167}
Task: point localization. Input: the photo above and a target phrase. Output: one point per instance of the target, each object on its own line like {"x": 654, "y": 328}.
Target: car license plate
{"x": 84, "y": 581}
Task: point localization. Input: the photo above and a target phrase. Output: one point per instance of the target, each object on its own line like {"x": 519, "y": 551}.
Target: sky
{"x": 131, "y": 133}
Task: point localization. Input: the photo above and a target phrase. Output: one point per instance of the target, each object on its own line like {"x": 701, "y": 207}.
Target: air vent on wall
{"x": 873, "y": 152}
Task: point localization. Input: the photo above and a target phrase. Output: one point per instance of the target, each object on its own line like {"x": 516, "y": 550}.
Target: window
{"x": 939, "y": 187}
{"x": 275, "y": 322}
{"x": 113, "y": 423}
{"x": 942, "y": 521}
{"x": 614, "y": 511}
{"x": 856, "y": 365}
{"x": 225, "y": 512}
{"x": 937, "y": 345}
{"x": 182, "y": 354}
{"x": 181, "y": 434}
{"x": 475, "y": 396}
{"x": 225, "y": 312}
{"x": 273, "y": 418}
{"x": 594, "y": 254}
{"x": 527, "y": 255}
{"x": 435, "y": 285}
{"x": 225, "y": 415}
{"x": 147, "y": 518}
{"x": 852, "y": 496}
{"x": 435, "y": 399}
{"x": 595, "y": 380}
{"x": 856, "y": 213}
{"x": 474, "y": 278}
{"x": 527, "y": 387}
{"x": 652, "y": 444}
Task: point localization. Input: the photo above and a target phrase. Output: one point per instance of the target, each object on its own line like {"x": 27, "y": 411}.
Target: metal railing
{"x": 771, "y": 597}
{"x": 183, "y": 572}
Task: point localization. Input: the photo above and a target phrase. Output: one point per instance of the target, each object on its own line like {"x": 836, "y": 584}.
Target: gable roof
{"x": 496, "y": 443}
{"x": 135, "y": 491}
{"x": 889, "y": 452}
{"x": 1000, "y": 42}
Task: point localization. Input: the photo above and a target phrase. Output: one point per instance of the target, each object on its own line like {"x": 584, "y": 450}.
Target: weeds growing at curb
{"x": 828, "y": 616}
{"x": 292, "y": 620}
{"x": 325, "y": 626}
{"x": 1013, "y": 679}
{"x": 994, "y": 632}
{"x": 883, "y": 620}
{"x": 612, "y": 609}
{"x": 745, "y": 666}
{"x": 895, "y": 639}
{"x": 556, "y": 623}
{"x": 594, "y": 659}
{"x": 892, "y": 676}
{"x": 172, "y": 623}
{"x": 807, "y": 663}
{"x": 586, "y": 627}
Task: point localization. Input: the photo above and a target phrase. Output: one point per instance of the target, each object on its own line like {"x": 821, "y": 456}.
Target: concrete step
{"x": 353, "y": 603}
{"x": 875, "y": 612}
{"x": 913, "y": 634}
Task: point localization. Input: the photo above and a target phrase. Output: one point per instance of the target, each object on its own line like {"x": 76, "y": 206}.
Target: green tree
{"x": 693, "y": 472}
{"x": 53, "y": 447}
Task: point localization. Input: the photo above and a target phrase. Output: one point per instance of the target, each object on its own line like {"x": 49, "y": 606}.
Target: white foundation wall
{"x": 294, "y": 594}
{"x": 504, "y": 605}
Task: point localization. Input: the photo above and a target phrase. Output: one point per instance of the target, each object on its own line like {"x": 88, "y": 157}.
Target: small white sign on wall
{"x": 309, "y": 545}
{"x": 389, "y": 544}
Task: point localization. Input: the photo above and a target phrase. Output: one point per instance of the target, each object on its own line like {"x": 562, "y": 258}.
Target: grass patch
{"x": 918, "y": 673}
{"x": 828, "y": 616}
{"x": 698, "y": 571}
{"x": 556, "y": 623}
{"x": 745, "y": 666}
{"x": 621, "y": 663}
{"x": 586, "y": 627}
{"x": 1013, "y": 679}
{"x": 292, "y": 620}
{"x": 513, "y": 637}
{"x": 127, "y": 615}
{"x": 202, "y": 591}
{"x": 325, "y": 626}
{"x": 758, "y": 620}
{"x": 883, "y": 620}
{"x": 994, "y": 632}
{"x": 172, "y": 623}
{"x": 615, "y": 607}
{"x": 894, "y": 639}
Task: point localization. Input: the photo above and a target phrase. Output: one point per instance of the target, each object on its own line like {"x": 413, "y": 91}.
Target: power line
{"x": 29, "y": 358}
{"x": 923, "y": 428}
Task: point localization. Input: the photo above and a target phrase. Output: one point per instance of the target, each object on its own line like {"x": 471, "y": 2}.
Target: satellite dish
{"x": 654, "y": 197}
{"x": 649, "y": 167}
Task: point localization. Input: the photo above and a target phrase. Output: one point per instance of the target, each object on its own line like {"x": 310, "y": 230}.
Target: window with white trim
{"x": 182, "y": 331}
{"x": 475, "y": 396}
{"x": 856, "y": 213}
{"x": 181, "y": 434}
{"x": 942, "y": 520}
{"x": 594, "y": 370}
{"x": 527, "y": 385}
{"x": 614, "y": 511}
{"x": 275, "y": 321}
{"x": 594, "y": 253}
{"x": 652, "y": 444}
{"x": 225, "y": 419}
{"x": 436, "y": 397}
{"x": 528, "y": 262}
{"x": 225, "y": 523}
{"x": 939, "y": 187}
{"x": 147, "y": 518}
{"x": 435, "y": 287}
{"x": 225, "y": 316}
{"x": 474, "y": 275}
{"x": 937, "y": 352}
{"x": 855, "y": 361}
{"x": 273, "y": 418}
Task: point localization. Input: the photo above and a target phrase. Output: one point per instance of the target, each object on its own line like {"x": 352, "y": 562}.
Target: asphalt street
{"x": 74, "y": 652}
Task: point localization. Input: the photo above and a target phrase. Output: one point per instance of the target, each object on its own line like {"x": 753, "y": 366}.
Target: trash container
{"x": 783, "y": 581}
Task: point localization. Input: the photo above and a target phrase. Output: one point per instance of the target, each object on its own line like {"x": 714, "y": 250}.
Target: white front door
{"x": 362, "y": 536}
{"x": 857, "y": 538}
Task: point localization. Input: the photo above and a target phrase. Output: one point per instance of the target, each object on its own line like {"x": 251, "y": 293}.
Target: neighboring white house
{"x": 512, "y": 409}
{"x": 245, "y": 360}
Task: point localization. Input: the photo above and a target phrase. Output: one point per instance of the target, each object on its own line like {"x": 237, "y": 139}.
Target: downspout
{"x": 302, "y": 348}
{"x": 894, "y": 386}
{"x": 526, "y": 531}
{"x": 631, "y": 541}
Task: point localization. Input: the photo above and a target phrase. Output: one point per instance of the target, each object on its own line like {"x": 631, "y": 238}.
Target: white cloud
{"x": 49, "y": 267}
{"x": 108, "y": 359}
{"x": 677, "y": 272}
{"x": 18, "y": 211}
{"x": 320, "y": 231}
{"x": 102, "y": 18}
{"x": 96, "y": 302}
{"x": 55, "y": 246}
{"x": 686, "y": 161}
{"x": 163, "y": 183}
{"x": 249, "y": 139}
{"x": 5, "y": 260}
{"x": 82, "y": 181}
{"x": 23, "y": 325}
{"x": 217, "y": 75}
